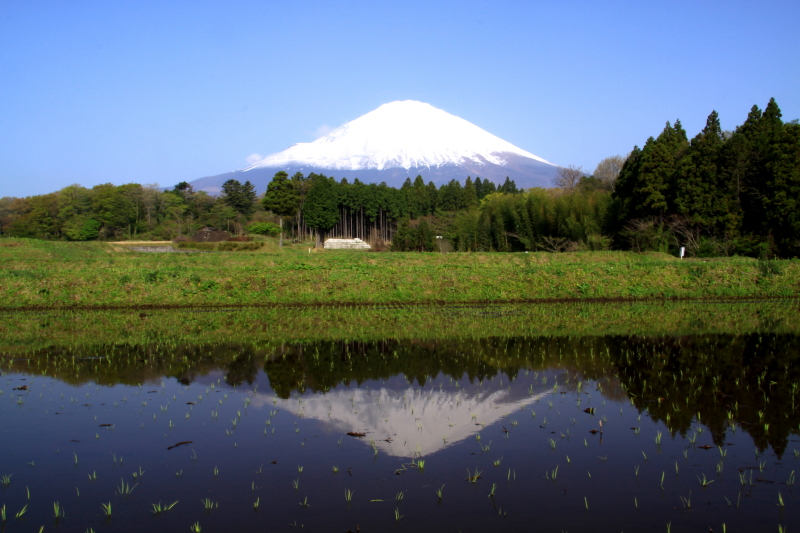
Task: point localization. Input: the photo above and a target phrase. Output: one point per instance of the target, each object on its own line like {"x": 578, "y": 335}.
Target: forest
{"x": 720, "y": 193}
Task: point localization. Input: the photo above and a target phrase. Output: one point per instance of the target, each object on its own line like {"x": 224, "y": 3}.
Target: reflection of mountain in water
{"x": 408, "y": 421}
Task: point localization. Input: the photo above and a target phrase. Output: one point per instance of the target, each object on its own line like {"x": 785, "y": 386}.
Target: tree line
{"x": 720, "y": 193}
{"x": 305, "y": 206}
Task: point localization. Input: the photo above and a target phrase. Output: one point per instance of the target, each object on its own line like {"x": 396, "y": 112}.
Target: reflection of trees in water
{"x": 747, "y": 379}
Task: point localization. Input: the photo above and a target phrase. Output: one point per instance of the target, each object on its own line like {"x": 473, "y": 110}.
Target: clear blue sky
{"x": 165, "y": 91}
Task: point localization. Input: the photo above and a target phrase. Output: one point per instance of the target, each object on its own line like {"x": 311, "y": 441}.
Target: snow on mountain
{"x": 398, "y": 140}
{"x": 405, "y": 134}
{"x": 410, "y": 422}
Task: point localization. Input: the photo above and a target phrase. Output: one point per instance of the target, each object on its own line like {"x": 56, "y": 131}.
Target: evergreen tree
{"x": 403, "y": 238}
{"x": 281, "y": 198}
{"x": 699, "y": 195}
{"x": 239, "y": 196}
{"x": 508, "y": 186}
{"x": 424, "y": 237}
{"x": 321, "y": 209}
{"x": 421, "y": 200}
{"x": 656, "y": 170}
{"x": 433, "y": 197}
{"x": 470, "y": 195}
{"x": 772, "y": 182}
{"x": 451, "y": 196}
{"x": 479, "y": 188}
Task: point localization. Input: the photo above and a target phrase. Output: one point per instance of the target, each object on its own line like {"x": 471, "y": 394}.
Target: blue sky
{"x": 161, "y": 92}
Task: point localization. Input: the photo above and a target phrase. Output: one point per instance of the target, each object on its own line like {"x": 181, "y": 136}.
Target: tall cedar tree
{"x": 700, "y": 195}
{"x": 281, "y": 198}
{"x": 470, "y": 194}
{"x": 772, "y": 182}
{"x": 321, "y": 208}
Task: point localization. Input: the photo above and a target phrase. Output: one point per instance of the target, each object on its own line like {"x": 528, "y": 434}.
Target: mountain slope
{"x": 399, "y": 140}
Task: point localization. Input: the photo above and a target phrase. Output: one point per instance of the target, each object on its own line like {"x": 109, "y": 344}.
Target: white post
{"x": 683, "y": 251}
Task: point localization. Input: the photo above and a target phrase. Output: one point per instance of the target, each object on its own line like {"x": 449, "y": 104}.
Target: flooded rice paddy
{"x": 544, "y": 426}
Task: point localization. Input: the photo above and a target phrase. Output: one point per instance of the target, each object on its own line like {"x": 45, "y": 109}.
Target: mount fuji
{"x": 395, "y": 141}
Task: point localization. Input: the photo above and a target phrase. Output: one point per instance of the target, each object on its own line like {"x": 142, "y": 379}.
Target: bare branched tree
{"x": 608, "y": 170}
{"x": 568, "y": 177}
{"x": 557, "y": 245}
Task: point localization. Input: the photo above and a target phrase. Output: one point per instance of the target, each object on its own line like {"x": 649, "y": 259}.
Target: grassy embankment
{"x": 42, "y": 274}
{"x": 264, "y": 328}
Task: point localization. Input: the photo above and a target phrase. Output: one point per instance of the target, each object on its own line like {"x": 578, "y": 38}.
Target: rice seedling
{"x": 208, "y": 505}
{"x": 473, "y": 478}
{"x": 397, "y": 515}
{"x": 58, "y": 511}
{"x": 296, "y": 483}
{"x": 335, "y": 469}
{"x": 494, "y": 487}
{"x": 305, "y": 503}
{"x": 780, "y": 500}
{"x": 256, "y": 503}
{"x": 158, "y": 508}
{"x": 6, "y": 480}
{"x": 195, "y": 528}
{"x": 106, "y": 509}
{"x": 439, "y": 492}
{"x": 125, "y": 488}
{"x": 399, "y": 496}
{"x": 687, "y": 502}
{"x": 790, "y": 481}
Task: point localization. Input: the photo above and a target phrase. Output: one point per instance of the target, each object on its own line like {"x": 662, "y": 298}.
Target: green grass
{"x": 44, "y": 274}
{"x": 23, "y": 332}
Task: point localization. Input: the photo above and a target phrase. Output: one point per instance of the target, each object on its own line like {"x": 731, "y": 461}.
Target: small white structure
{"x": 346, "y": 244}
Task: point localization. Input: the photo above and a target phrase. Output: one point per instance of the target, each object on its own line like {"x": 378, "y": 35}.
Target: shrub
{"x": 82, "y": 229}
{"x": 264, "y": 228}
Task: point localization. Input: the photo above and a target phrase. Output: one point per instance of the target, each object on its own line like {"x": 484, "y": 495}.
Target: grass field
{"x": 46, "y": 274}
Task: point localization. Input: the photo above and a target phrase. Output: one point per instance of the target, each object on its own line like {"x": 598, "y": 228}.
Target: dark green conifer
{"x": 281, "y": 198}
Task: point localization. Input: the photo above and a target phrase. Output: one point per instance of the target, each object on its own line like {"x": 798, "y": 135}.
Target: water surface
{"x": 681, "y": 416}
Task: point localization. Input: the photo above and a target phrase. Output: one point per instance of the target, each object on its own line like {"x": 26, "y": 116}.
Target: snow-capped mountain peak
{"x": 403, "y": 134}
{"x": 396, "y": 141}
